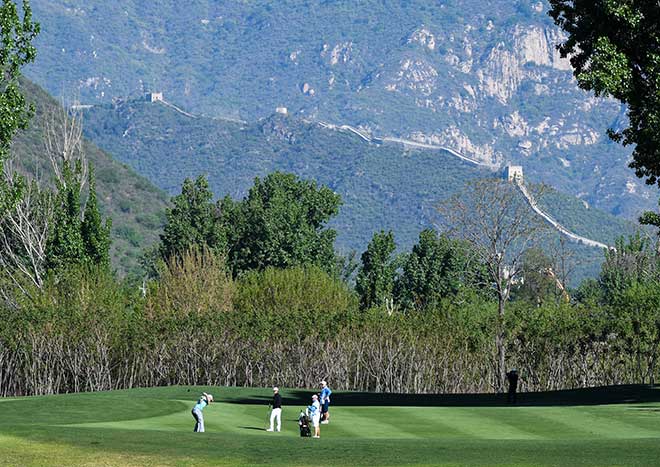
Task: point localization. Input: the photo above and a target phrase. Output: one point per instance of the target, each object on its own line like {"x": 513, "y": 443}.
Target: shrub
{"x": 294, "y": 302}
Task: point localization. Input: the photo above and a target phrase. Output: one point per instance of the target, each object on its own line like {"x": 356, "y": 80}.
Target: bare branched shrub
{"x": 86, "y": 332}
{"x": 24, "y": 229}
{"x": 63, "y": 143}
{"x": 23, "y": 236}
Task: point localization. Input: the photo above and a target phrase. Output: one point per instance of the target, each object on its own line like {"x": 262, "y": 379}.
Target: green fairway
{"x": 154, "y": 427}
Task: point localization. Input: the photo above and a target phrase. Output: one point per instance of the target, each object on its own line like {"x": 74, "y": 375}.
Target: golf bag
{"x": 303, "y": 423}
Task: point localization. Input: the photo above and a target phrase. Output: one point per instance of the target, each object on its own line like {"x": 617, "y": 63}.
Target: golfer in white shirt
{"x": 314, "y": 412}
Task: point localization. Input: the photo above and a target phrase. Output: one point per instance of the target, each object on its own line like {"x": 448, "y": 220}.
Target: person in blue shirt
{"x": 203, "y": 401}
{"x": 325, "y": 403}
{"x": 314, "y": 414}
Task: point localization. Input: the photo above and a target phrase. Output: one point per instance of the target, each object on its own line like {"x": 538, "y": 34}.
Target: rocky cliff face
{"x": 502, "y": 93}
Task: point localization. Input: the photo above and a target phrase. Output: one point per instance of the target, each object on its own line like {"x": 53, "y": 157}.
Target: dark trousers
{"x": 511, "y": 397}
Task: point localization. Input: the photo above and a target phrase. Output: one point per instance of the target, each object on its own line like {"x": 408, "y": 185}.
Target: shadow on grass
{"x": 625, "y": 394}
{"x": 645, "y": 408}
{"x": 212, "y": 449}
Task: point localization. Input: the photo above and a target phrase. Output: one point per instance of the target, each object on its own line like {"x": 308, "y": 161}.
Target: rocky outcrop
{"x": 454, "y": 138}
{"x": 538, "y": 45}
{"x": 423, "y": 37}
{"x": 307, "y": 89}
{"x": 415, "y": 74}
{"x": 515, "y": 125}
{"x": 339, "y": 54}
{"x": 505, "y": 67}
{"x": 501, "y": 74}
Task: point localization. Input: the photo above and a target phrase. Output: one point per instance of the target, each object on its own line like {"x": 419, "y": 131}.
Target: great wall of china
{"x": 367, "y": 137}
{"x": 517, "y": 179}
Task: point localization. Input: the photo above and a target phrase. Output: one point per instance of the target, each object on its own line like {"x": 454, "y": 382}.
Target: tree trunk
{"x": 500, "y": 344}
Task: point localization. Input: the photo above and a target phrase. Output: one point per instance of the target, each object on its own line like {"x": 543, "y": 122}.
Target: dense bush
{"x": 72, "y": 335}
{"x": 291, "y": 304}
{"x": 86, "y": 331}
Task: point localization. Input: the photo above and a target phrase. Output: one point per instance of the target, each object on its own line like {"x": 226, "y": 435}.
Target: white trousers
{"x": 276, "y": 413}
{"x": 199, "y": 420}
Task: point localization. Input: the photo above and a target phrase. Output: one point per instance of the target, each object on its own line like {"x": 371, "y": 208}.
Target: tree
{"x": 437, "y": 267}
{"x": 632, "y": 262}
{"x": 95, "y": 233}
{"x": 375, "y": 279}
{"x": 630, "y": 285}
{"x": 17, "y": 34}
{"x": 24, "y": 233}
{"x": 280, "y": 223}
{"x": 538, "y": 281}
{"x": 493, "y": 217}
{"x": 346, "y": 266}
{"x": 589, "y": 293}
{"x": 564, "y": 264}
{"x": 614, "y": 48}
{"x": 65, "y": 243}
{"x": 193, "y": 220}
{"x": 48, "y": 231}
{"x": 637, "y": 326}
{"x": 77, "y": 234}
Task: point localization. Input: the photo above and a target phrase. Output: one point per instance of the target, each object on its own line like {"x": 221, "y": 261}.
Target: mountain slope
{"x": 480, "y": 76}
{"x": 134, "y": 204}
{"x": 384, "y": 186}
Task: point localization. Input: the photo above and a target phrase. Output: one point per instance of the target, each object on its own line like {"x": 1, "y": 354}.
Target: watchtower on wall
{"x": 154, "y": 97}
{"x": 513, "y": 173}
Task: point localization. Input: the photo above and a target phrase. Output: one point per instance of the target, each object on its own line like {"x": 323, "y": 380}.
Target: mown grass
{"x": 154, "y": 427}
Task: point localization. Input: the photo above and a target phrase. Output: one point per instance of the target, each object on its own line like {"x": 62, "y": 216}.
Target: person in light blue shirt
{"x": 325, "y": 403}
{"x": 203, "y": 401}
{"x": 314, "y": 413}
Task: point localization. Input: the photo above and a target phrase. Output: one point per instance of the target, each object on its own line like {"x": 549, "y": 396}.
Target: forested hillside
{"x": 479, "y": 76}
{"x": 135, "y": 205}
{"x": 383, "y": 186}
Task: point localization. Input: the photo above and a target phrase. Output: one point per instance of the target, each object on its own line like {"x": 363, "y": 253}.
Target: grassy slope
{"x": 135, "y": 206}
{"x": 153, "y": 427}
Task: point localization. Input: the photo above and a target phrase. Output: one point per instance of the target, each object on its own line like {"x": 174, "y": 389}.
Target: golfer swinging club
{"x": 203, "y": 401}
{"x": 276, "y": 413}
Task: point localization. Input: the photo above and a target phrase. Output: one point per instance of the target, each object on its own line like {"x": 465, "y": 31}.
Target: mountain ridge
{"x": 483, "y": 78}
{"x": 383, "y": 185}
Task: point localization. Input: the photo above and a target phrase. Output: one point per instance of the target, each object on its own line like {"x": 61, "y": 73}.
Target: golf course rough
{"x": 154, "y": 427}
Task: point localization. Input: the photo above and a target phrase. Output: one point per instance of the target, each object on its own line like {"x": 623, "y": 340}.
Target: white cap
{"x": 315, "y": 396}
{"x": 275, "y": 389}
{"x": 323, "y": 383}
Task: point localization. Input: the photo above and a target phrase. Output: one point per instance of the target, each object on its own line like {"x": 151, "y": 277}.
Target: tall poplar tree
{"x": 375, "y": 279}
{"x": 77, "y": 236}
{"x": 95, "y": 233}
{"x": 17, "y": 31}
